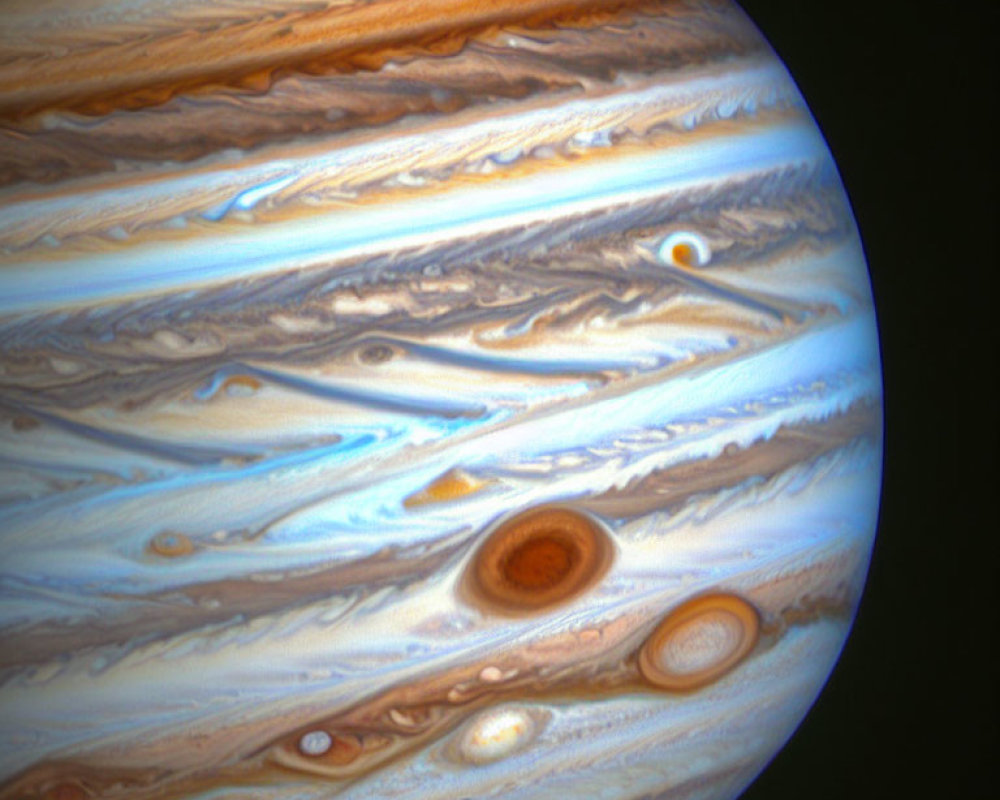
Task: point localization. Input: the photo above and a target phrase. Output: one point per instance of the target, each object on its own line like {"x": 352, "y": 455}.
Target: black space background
{"x": 906, "y": 96}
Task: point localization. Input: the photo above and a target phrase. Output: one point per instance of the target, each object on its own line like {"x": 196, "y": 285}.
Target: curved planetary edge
{"x": 314, "y": 485}
{"x": 844, "y": 569}
{"x": 684, "y": 402}
{"x": 493, "y": 151}
{"x": 483, "y": 398}
{"x": 368, "y": 230}
{"x": 552, "y": 667}
{"x": 348, "y": 292}
{"x": 312, "y": 352}
{"x": 640, "y": 115}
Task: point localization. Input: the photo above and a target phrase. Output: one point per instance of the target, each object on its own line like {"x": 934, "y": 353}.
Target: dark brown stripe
{"x": 182, "y": 123}
{"x": 791, "y": 444}
{"x": 149, "y": 64}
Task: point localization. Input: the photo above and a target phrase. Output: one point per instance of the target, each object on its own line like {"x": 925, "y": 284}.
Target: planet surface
{"x": 442, "y": 400}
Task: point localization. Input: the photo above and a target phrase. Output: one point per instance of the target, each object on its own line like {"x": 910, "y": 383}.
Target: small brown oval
{"x": 65, "y": 791}
{"x": 171, "y": 544}
{"x": 376, "y": 354}
{"x": 699, "y": 642}
{"x": 333, "y": 753}
{"x": 538, "y": 559}
{"x": 345, "y": 749}
{"x": 23, "y": 422}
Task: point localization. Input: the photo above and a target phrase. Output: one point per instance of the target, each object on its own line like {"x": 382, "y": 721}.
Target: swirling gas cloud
{"x": 434, "y": 400}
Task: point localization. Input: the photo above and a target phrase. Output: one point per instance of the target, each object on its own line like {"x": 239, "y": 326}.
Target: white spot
{"x": 727, "y": 108}
{"x": 373, "y": 304}
{"x": 171, "y": 340}
{"x": 508, "y": 156}
{"x": 240, "y": 390}
{"x": 685, "y": 241}
{"x": 490, "y": 675}
{"x": 401, "y": 719}
{"x": 407, "y": 178}
{"x": 292, "y": 324}
{"x": 65, "y": 366}
{"x": 315, "y": 743}
{"x": 601, "y": 138}
{"x": 701, "y": 644}
{"x": 496, "y": 734}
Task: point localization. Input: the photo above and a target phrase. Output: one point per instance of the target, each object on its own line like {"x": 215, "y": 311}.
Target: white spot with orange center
{"x": 685, "y": 249}
{"x": 496, "y": 734}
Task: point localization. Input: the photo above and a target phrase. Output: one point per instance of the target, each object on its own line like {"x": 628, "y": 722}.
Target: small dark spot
{"x": 25, "y": 423}
{"x": 376, "y": 354}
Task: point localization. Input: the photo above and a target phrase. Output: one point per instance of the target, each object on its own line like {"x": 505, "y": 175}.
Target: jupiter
{"x": 424, "y": 401}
